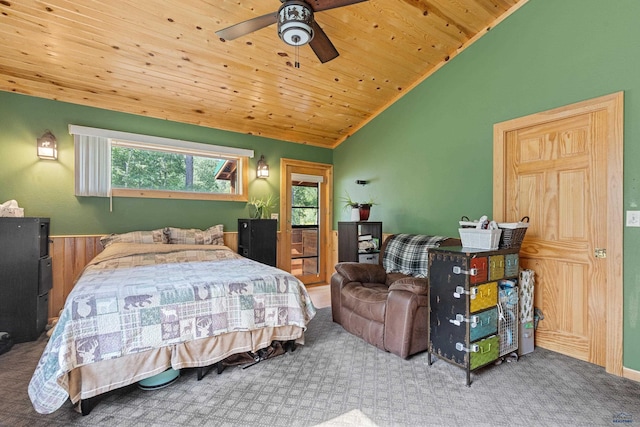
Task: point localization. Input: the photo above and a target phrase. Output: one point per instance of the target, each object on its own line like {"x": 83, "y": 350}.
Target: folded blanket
{"x": 408, "y": 253}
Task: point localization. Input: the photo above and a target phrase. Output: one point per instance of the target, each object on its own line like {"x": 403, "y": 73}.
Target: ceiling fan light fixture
{"x": 295, "y": 23}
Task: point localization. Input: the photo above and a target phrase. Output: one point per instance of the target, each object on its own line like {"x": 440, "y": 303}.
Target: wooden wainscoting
{"x": 69, "y": 256}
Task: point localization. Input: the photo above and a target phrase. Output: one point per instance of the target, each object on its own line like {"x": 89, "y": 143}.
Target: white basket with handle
{"x": 479, "y": 238}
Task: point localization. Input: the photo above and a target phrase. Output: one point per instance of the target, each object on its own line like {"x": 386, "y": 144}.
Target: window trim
{"x": 158, "y": 141}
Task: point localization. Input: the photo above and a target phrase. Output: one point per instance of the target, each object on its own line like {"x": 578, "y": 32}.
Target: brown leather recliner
{"x": 388, "y": 310}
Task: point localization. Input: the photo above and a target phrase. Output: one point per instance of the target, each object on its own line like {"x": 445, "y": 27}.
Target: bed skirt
{"x": 97, "y": 378}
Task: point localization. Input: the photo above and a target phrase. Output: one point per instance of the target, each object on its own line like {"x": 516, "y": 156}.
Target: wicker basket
{"x": 513, "y": 233}
{"x": 479, "y": 238}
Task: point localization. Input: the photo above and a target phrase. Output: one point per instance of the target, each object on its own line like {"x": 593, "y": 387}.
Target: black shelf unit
{"x": 349, "y": 234}
{"x": 258, "y": 240}
{"x": 25, "y": 277}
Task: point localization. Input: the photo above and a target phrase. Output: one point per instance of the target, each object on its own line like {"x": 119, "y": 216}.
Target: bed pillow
{"x": 194, "y": 236}
{"x": 152, "y": 236}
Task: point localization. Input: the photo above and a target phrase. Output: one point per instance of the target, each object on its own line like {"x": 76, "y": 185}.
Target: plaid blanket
{"x": 407, "y": 253}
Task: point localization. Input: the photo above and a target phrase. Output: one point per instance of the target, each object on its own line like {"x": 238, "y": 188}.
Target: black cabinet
{"x": 25, "y": 277}
{"x": 359, "y": 241}
{"x": 258, "y": 239}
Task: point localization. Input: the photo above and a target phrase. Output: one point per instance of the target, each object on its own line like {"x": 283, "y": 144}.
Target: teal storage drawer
{"x": 486, "y": 323}
{"x": 511, "y": 265}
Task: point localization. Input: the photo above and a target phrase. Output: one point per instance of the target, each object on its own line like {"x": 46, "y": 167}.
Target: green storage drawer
{"x": 487, "y": 351}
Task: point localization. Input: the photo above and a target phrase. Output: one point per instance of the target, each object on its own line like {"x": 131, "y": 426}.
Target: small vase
{"x": 355, "y": 214}
{"x": 364, "y": 211}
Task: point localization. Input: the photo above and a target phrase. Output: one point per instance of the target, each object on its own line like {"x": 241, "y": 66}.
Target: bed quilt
{"x": 136, "y": 297}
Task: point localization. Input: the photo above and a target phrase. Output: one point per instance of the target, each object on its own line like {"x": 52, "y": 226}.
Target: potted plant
{"x": 263, "y": 206}
{"x": 359, "y": 211}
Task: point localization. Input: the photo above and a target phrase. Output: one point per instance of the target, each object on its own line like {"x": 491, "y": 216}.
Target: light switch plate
{"x": 274, "y": 216}
{"x": 633, "y": 218}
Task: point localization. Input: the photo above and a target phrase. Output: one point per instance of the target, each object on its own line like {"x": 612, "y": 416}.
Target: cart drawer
{"x": 486, "y": 295}
{"x": 485, "y": 323}
{"x": 496, "y": 267}
{"x": 511, "y": 265}
{"x": 485, "y": 352}
{"x": 480, "y": 265}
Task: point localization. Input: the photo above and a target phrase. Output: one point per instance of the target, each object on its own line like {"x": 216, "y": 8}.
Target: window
{"x": 304, "y": 206}
{"x": 144, "y": 166}
{"x": 135, "y": 168}
{"x": 304, "y": 228}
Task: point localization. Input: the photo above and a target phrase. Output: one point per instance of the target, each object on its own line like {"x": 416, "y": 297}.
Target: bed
{"x": 139, "y": 309}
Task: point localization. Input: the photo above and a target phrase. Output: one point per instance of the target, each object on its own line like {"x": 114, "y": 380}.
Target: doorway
{"x": 306, "y": 190}
{"x": 563, "y": 169}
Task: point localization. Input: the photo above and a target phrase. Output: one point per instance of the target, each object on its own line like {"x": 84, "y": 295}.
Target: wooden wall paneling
{"x": 69, "y": 256}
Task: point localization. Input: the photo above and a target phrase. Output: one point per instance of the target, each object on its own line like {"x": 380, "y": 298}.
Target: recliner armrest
{"x": 418, "y": 286}
{"x": 361, "y": 272}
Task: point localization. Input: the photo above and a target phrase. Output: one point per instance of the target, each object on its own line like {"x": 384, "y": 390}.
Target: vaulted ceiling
{"x": 162, "y": 58}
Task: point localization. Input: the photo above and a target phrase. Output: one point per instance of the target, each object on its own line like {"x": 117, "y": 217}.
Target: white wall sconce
{"x": 47, "y": 146}
{"x": 263, "y": 168}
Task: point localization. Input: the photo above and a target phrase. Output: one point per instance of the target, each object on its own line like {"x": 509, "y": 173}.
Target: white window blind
{"x": 93, "y": 166}
{"x": 301, "y": 177}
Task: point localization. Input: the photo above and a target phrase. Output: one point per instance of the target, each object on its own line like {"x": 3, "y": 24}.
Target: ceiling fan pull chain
{"x": 297, "y": 56}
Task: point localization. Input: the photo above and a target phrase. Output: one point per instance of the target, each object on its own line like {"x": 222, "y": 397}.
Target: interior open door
{"x": 306, "y": 193}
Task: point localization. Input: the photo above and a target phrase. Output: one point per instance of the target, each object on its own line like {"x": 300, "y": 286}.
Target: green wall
{"x": 46, "y": 188}
{"x": 429, "y": 156}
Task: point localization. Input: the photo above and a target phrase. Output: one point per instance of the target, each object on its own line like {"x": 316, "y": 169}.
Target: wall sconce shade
{"x": 47, "y": 146}
{"x": 263, "y": 168}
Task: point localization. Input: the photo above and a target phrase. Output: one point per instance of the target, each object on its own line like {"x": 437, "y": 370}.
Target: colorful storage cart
{"x": 464, "y": 304}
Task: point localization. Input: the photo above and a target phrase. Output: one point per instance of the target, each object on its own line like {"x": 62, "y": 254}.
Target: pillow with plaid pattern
{"x": 152, "y": 236}
{"x": 194, "y": 236}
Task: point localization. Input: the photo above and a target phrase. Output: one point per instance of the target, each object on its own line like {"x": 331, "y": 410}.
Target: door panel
{"x": 563, "y": 213}
{"x": 560, "y": 168}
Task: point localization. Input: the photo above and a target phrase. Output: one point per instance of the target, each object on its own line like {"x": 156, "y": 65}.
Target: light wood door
{"x": 288, "y": 241}
{"x": 563, "y": 169}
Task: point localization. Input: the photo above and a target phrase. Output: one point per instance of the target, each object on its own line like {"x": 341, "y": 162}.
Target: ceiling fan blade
{"x": 321, "y": 45}
{"x": 318, "y": 5}
{"x": 249, "y": 26}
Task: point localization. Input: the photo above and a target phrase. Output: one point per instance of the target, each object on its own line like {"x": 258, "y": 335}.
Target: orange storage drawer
{"x": 480, "y": 264}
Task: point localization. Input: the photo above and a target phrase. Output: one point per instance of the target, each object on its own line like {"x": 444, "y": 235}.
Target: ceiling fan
{"x": 296, "y": 26}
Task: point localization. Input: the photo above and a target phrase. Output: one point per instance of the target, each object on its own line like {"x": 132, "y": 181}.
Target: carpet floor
{"x": 335, "y": 373}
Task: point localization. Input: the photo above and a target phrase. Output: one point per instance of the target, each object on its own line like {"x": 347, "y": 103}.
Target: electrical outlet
{"x": 633, "y": 218}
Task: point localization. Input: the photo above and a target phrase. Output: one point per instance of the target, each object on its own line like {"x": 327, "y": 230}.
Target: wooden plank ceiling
{"x": 162, "y": 58}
